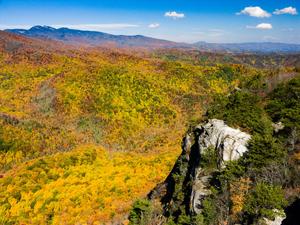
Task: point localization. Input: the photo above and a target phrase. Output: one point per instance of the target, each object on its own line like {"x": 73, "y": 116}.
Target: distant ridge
{"x": 95, "y": 38}
{"x": 13, "y": 43}
{"x": 260, "y": 47}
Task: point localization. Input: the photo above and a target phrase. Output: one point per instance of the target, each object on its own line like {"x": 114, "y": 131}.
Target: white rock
{"x": 278, "y": 221}
{"x": 280, "y": 216}
{"x": 229, "y": 143}
{"x": 199, "y": 191}
{"x": 278, "y": 126}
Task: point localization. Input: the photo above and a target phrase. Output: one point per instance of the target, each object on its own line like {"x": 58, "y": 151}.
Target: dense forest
{"x": 253, "y": 189}
{"x": 86, "y": 132}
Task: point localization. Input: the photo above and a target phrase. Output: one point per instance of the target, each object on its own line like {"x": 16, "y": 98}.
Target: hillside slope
{"x": 85, "y": 132}
{"x": 244, "y": 171}
{"x": 94, "y": 38}
{"x": 67, "y": 116}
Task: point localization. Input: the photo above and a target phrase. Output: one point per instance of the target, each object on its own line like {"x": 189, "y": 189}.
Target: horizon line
{"x": 57, "y": 27}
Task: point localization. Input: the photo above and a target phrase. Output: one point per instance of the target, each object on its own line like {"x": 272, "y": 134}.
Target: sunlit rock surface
{"x": 188, "y": 183}
{"x": 229, "y": 144}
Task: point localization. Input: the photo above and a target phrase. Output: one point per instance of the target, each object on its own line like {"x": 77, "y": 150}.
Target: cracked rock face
{"x": 188, "y": 183}
{"x": 229, "y": 144}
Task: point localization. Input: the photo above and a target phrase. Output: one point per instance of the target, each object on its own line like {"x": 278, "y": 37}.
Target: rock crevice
{"x": 188, "y": 183}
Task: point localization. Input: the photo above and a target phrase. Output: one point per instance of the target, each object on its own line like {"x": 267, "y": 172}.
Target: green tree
{"x": 242, "y": 109}
{"x": 141, "y": 212}
{"x": 284, "y": 106}
{"x": 263, "y": 201}
{"x": 263, "y": 150}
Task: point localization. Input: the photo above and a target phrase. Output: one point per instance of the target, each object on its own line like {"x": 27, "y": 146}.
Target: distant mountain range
{"x": 14, "y": 43}
{"x": 93, "y": 38}
{"x": 266, "y": 47}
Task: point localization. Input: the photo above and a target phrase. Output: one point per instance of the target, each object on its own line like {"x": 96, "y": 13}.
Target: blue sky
{"x": 178, "y": 20}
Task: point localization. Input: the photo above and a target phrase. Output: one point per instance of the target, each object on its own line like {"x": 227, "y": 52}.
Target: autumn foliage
{"x": 85, "y": 132}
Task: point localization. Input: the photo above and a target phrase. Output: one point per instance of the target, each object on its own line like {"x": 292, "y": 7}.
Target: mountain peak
{"x": 93, "y": 38}
{"x": 96, "y": 38}
{"x": 39, "y": 27}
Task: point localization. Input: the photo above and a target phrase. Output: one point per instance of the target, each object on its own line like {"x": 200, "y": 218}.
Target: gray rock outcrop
{"x": 277, "y": 221}
{"x": 206, "y": 150}
{"x": 228, "y": 143}
{"x": 188, "y": 183}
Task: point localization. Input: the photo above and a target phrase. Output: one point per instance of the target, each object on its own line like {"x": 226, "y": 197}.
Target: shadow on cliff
{"x": 181, "y": 177}
{"x": 292, "y": 214}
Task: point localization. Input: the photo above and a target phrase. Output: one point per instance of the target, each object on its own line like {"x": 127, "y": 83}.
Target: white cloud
{"x": 287, "y": 10}
{"x": 174, "y": 15}
{"x": 261, "y": 26}
{"x": 264, "y": 26}
{"x": 255, "y": 11}
{"x": 154, "y": 25}
{"x": 96, "y": 27}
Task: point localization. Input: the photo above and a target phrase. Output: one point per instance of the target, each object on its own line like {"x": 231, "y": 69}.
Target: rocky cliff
{"x": 206, "y": 150}
{"x": 229, "y": 176}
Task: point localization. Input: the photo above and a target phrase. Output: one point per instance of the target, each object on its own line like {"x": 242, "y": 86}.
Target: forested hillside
{"x": 241, "y": 171}
{"x": 85, "y": 132}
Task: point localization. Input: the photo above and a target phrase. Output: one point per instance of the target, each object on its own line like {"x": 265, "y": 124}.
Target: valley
{"x": 86, "y": 130}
